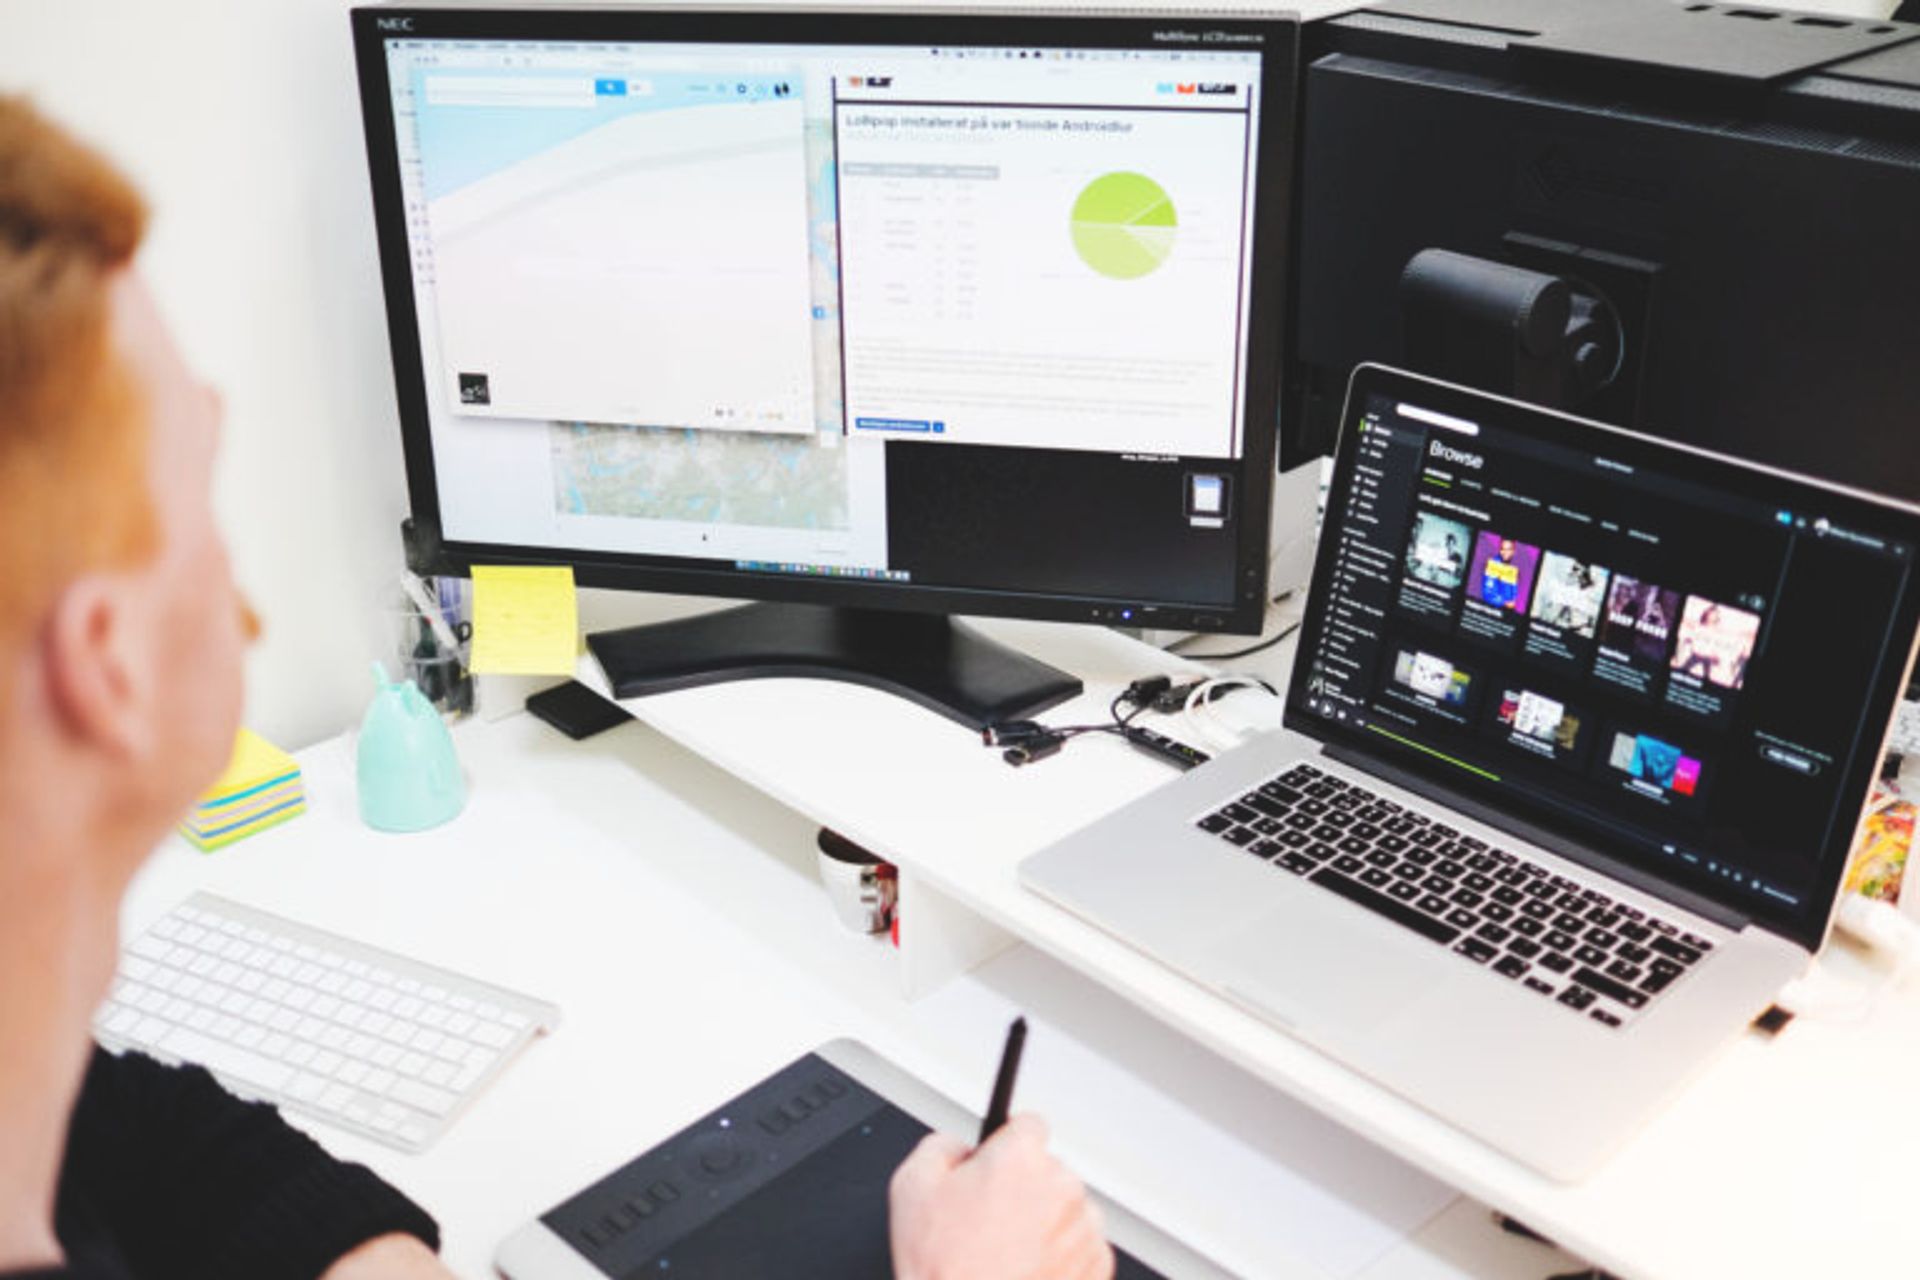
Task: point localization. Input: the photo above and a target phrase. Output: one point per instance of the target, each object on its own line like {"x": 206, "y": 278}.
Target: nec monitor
{"x": 904, "y": 315}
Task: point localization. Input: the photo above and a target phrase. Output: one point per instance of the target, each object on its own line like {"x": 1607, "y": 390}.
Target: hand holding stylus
{"x": 1003, "y": 1210}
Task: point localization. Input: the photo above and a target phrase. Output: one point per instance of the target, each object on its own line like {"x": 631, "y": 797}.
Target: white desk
{"x": 674, "y": 915}
{"x": 671, "y": 909}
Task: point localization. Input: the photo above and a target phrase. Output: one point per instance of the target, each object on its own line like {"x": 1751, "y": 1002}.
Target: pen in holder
{"x": 430, "y": 639}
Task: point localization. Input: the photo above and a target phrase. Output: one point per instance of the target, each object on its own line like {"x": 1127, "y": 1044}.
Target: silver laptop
{"x": 1579, "y": 733}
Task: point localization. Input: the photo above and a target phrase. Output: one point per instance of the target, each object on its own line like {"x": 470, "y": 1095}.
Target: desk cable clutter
{"x": 1024, "y": 742}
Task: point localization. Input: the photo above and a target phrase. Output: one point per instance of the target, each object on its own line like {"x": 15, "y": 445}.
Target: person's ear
{"x": 92, "y": 663}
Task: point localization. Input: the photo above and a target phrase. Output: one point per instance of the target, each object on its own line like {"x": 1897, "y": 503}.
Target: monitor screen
{"x": 1683, "y": 661}
{"x": 959, "y": 314}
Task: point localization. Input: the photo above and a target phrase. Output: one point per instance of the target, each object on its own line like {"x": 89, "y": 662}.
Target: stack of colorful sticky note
{"x": 260, "y": 789}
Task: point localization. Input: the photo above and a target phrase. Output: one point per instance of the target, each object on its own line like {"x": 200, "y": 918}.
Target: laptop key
{"x": 1525, "y": 948}
{"x": 1398, "y": 912}
{"x": 1537, "y": 909}
{"x": 1576, "y": 997}
{"x": 1294, "y": 839}
{"x": 1268, "y": 827}
{"x": 1438, "y": 884}
{"x": 1674, "y": 950}
{"x": 1298, "y": 863}
{"x": 1541, "y": 985}
{"x": 1403, "y": 891}
{"x": 1625, "y": 972}
{"x": 1348, "y": 863}
{"x": 1602, "y": 1016}
{"x": 1375, "y": 877}
{"x": 1215, "y": 823}
{"x": 1240, "y": 835}
{"x": 1265, "y": 804}
{"x": 1511, "y": 967}
{"x": 1609, "y": 988}
{"x": 1376, "y": 858}
{"x": 1566, "y": 922}
{"x": 1497, "y": 912}
{"x": 1284, "y": 794}
{"x": 1589, "y": 955}
{"x": 1432, "y": 904}
{"x": 1462, "y": 919}
{"x": 1492, "y": 932}
{"x": 1527, "y": 926}
{"x": 1558, "y": 941}
{"x": 1555, "y": 961}
{"x": 1474, "y": 950}
{"x": 1317, "y": 851}
{"x": 1632, "y": 954}
{"x": 1263, "y": 848}
{"x": 1240, "y": 813}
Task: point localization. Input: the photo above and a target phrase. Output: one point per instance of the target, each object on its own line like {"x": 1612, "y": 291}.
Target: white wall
{"x": 239, "y": 119}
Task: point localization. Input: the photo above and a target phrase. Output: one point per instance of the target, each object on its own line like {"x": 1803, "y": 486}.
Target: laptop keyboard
{"x": 1569, "y": 943}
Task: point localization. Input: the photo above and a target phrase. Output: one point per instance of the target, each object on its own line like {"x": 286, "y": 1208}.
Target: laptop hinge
{"x": 1563, "y": 846}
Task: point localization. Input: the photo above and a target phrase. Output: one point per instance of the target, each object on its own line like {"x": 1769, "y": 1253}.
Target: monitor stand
{"x": 943, "y": 665}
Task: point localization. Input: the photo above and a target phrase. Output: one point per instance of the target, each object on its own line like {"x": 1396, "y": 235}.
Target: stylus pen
{"x": 1003, "y": 1083}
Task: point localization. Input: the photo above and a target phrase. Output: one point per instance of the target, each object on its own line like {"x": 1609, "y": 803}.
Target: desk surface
{"x": 671, "y": 910}
{"x": 674, "y": 915}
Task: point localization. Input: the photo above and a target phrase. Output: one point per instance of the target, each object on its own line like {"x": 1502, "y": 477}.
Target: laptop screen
{"x": 1677, "y": 659}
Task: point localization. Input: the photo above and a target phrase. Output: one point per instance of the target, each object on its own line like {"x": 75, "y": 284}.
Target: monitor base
{"x": 928, "y": 659}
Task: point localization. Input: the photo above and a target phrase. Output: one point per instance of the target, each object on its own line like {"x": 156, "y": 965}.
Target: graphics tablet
{"x": 787, "y": 1180}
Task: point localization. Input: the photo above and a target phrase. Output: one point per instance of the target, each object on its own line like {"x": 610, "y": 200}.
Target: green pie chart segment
{"x": 1124, "y": 225}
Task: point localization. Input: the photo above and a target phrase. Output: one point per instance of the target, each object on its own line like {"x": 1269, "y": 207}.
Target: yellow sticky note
{"x": 526, "y": 620}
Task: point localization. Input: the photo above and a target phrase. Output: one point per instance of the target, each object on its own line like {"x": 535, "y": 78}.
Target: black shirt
{"x": 170, "y": 1177}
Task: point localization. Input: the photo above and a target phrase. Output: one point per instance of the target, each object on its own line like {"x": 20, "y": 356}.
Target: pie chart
{"x": 1124, "y": 225}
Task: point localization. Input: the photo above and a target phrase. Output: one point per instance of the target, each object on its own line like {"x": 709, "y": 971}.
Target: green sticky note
{"x": 526, "y": 620}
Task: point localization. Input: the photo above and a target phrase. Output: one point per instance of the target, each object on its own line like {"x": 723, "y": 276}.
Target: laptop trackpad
{"x": 1301, "y": 969}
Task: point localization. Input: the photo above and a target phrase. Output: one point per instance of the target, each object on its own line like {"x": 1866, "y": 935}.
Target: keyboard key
{"x": 1398, "y": 912}
{"x": 1609, "y": 988}
{"x": 1264, "y": 848}
{"x": 1555, "y": 961}
{"x": 1375, "y": 877}
{"x": 1589, "y": 955}
{"x": 1576, "y": 997}
{"x": 1675, "y": 950}
{"x": 1215, "y": 823}
{"x": 1233, "y": 835}
{"x": 1298, "y": 863}
{"x": 1432, "y": 904}
{"x": 1493, "y": 933}
{"x": 1511, "y": 966}
{"x": 1528, "y": 927}
{"x": 1602, "y": 1016}
{"x": 1403, "y": 891}
{"x": 1525, "y": 948}
{"x": 1474, "y": 950}
{"x": 1461, "y": 918}
{"x": 1541, "y": 985}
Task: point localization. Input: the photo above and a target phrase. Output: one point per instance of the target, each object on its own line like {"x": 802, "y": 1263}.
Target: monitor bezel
{"x": 1887, "y": 517}
{"x": 1278, "y": 45}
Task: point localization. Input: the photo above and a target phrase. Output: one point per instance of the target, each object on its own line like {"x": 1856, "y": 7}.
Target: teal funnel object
{"x": 409, "y": 776}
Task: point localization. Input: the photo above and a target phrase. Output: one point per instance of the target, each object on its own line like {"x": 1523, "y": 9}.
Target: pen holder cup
{"x": 415, "y": 650}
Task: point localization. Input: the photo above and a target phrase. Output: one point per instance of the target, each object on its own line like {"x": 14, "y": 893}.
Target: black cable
{"x": 1241, "y": 653}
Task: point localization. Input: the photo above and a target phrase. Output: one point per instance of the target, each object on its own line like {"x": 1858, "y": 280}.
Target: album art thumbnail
{"x": 1570, "y": 594}
{"x": 1536, "y": 716}
{"x": 1640, "y": 755}
{"x": 1433, "y": 676}
{"x": 1715, "y": 642}
{"x": 1639, "y": 619}
{"x": 1503, "y": 572}
{"x": 1437, "y": 552}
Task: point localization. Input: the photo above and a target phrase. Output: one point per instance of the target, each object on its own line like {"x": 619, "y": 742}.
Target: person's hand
{"x": 392, "y": 1257}
{"x": 1008, "y": 1211}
